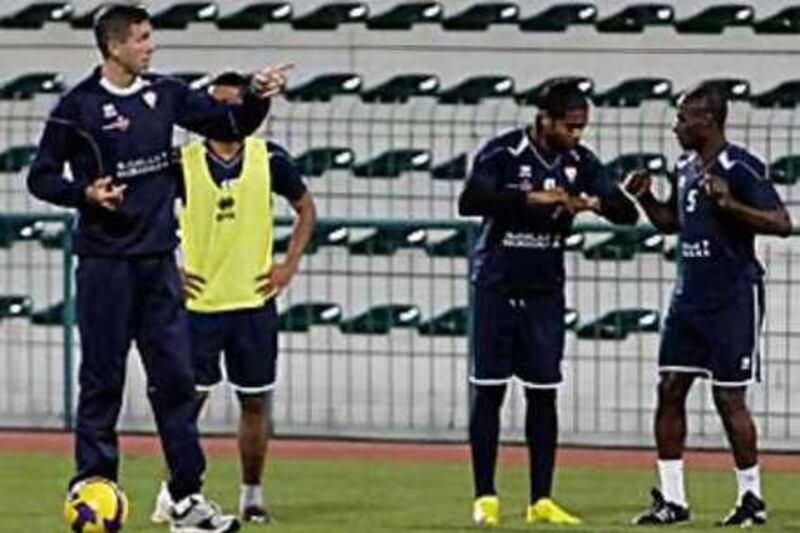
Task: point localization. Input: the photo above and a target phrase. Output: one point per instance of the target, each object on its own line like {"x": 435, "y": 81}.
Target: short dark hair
{"x": 714, "y": 101}
{"x": 230, "y": 78}
{"x": 561, "y": 96}
{"x": 114, "y": 21}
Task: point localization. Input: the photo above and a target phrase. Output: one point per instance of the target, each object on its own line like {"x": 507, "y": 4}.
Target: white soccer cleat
{"x": 161, "y": 513}
{"x": 195, "y": 514}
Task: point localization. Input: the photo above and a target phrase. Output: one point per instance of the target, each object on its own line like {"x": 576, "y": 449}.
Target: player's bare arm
{"x": 555, "y": 196}
{"x": 765, "y": 221}
{"x": 639, "y": 184}
{"x": 281, "y": 274}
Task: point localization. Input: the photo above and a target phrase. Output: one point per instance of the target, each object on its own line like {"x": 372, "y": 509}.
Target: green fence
{"x": 374, "y": 328}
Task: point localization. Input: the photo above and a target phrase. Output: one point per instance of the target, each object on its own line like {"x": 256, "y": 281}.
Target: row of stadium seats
{"x": 381, "y": 319}
{"x": 405, "y": 14}
{"x": 400, "y": 88}
{"x": 383, "y": 241}
{"x": 391, "y": 164}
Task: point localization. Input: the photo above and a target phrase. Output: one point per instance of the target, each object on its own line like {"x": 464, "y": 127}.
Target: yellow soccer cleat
{"x": 546, "y": 511}
{"x": 486, "y": 511}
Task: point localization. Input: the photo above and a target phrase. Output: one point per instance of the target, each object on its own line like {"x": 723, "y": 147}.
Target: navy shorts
{"x": 517, "y": 336}
{"x": 723, "y": 343}
{"x": 248, "y": 339}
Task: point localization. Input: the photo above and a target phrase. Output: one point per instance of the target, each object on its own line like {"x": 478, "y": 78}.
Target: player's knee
{"x": 672, "y": 391}
{"x": 253, "y": 404}
{"x": 490, "y": 395}
{"x": 541, "y": 396}
{"x": 729, "y": 401}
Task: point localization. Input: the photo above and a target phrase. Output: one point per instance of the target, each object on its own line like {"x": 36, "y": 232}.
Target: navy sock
{"x": 541, "y": 433}
{"x": 484, "y": 435}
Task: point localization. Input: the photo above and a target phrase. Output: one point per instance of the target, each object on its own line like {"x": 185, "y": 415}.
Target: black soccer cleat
{"x": 662, "y": 512}
{"x": 256, "y": 514}
{"x": 752, "y": 511}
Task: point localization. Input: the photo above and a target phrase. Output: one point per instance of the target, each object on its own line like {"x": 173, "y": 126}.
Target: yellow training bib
{"x": 226, "y": 231}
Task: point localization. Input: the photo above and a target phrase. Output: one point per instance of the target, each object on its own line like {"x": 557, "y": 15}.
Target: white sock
{"x": 748, "y": 480}
{"x": 250, "y": 495}
{"x": 670, "y": 473}
{"x": 163, "y": 493}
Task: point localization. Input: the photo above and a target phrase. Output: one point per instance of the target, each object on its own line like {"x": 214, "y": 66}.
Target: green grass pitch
{"x": 331, "y": 496}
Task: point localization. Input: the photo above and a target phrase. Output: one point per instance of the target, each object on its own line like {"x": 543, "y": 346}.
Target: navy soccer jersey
{"x": 521, "y": 247}
{"x": 713, "y": 327}
{"x": 127, "y": 134}
{"x": 518, "y": 263}
{"x": 716, "y": 252}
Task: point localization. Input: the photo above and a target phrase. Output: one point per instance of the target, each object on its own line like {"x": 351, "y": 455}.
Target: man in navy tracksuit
{"x": 114, "y": 129}
{"x": 527, "y": 184}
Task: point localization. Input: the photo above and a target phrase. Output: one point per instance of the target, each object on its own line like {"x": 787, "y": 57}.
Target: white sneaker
{"x": 195, "y": 514}
{"x": 161, "y": 511}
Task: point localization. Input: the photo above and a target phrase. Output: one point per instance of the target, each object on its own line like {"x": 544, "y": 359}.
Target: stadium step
{"x": 400, "y": 89}
{"x": 50, "y": 233}
{"x": 17, "y": 158}
{"x": 571, "y": 318}
{"x": 531, "y": 96}
{"x": 454, "y": 245}
{"x": 786, "y": 21}
{"x": 786, "y": 95}
{"x": 35, "y": 15}
{"x": 634, "y": 91}
{"x": 84, "y": 20}
{"x": 331, "y": 16}
{"x": 618, "y": 324}
{"x": 26, "y": 86}
{"x": 179, "y": 15}
{"x": 324, "y": 87}
{"x": 474, "y": 90}
{"x": 714, "y": 19}
{"x": 386, "y": 241}
{"x": 392, "y": 163}
{"x": 255, "y": 16}
{"x": 785, "y": 170}
{"x": 51, "y": 316}
{"x": 634, "y": 19}
{"x": 317, "y": 161}
{"x": 617, "y": 168}
{"x": 300, "y": 317}
{"x": 560, "y": 17}
{"x": 452, "y": 322}
{"x": 324, "y": 234}
{"x": 382, "y": 318}
{"x": 731, "y": 88}
{"x": 452, "y": 169}
{"x": 478, "y": 17}
{"x": 625, "y": 245}
{"x": 15, "y": 305}
{"x": 404, "y": 16}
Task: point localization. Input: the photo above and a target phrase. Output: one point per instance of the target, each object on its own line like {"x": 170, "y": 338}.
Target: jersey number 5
{"x": 691, "y": 200}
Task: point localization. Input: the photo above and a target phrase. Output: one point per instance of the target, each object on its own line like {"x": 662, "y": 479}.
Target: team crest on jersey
{"x": 150, "y": 98}
{"x": 571, "y": 173}
{"x": 121, "y": 123}
{"x": 109, "y": 111}
{"x": 525, "y": 171}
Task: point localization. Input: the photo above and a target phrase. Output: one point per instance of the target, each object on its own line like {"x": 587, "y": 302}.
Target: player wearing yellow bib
{"x": 230, "y": 278}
